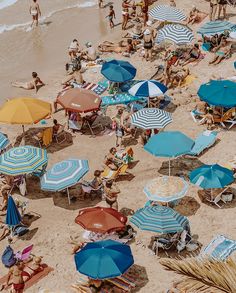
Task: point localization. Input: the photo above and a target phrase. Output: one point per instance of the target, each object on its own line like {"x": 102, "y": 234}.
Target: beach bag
{"x": 20, "y": 231}
{"x": 8, "y": 257}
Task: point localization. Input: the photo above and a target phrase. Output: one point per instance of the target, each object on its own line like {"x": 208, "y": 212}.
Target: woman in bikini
{"x": 111, "y": 193}
{"x": 125, "y": 13}
{"x": 15, "y": 278}
{"x": 35, "y": 83}
{"x": 35, "y": 12}
{"x": 112, "y": 161}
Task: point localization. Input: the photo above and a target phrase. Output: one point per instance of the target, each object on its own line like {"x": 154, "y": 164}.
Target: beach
{"x": 44, "y": 50}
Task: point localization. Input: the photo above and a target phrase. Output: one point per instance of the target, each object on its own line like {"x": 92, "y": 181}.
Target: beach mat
{"x": 34, "y": 280}
{"x": 188, "y": 80}
{"x": 96, "y": 88}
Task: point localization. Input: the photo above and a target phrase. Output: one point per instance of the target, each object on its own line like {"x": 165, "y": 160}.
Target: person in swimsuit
{"x": 125, "y": 13}
{"x": 15, "y": 278}
{"x": 34, "y": 268}
{"x": 224, "y": 52}
{"x": 73, "y": 49}
{"x": 100, "y": 3}
{"x": 111, "y": 193}
{"x": 111, "y": 15}
{"x": 193, "y": 55}
{"x": 222, "y": 4}
{"x": 148, "y": 41}
{"x": 112, "y": 161}
{"x": 36, "y": 83}
{"x": 213, "y": 9}
{"x": 35, "y": 12}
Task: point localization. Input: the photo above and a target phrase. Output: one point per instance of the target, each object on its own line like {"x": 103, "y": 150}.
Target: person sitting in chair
{"x": 112, "y": 161}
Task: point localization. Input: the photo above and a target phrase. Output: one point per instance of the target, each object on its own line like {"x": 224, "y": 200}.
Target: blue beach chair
{"x": 202, "y": 142}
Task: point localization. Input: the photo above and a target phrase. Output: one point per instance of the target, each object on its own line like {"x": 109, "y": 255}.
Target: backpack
{"x": 8, "y": 257}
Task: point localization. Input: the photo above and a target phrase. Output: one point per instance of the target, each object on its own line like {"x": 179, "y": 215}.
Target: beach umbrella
{"x": 167, "y": 13}
{"x": 166, "y": 189}
{"x": 175, "y": 33}
{"x": 219, "y": 93}
{"x": 13, "y": 217}
{"x": 159, "y": 219}
{"x": 4, "y": 141}
{"x": 151, "y": 118}
{"x": 118, "y": 71}
{"x": 169, "y": 144}
{"x": 22, "y": 160}
{"x": 215, "y": 27}
{"x": 148, "y": 88}
{"x": 79, "y": 100}
{"x": 104, "y": 259}
{"x": 24, "y": 111}
{"x": 100, "y": 219}
{"x": 64, "y": 175}
{"x": 211, "y": 176}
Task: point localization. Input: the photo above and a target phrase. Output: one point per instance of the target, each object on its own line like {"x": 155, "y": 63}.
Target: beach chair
{"x": 110, "y": 174}
{"x": 215, "y": 199}
{"x": 195, "y": 114}
{"x": 92, "y": 122}
{"x": 25, "y": 254}
{"x": 204, "y": 141}
{"x": 60, "y": 133}
{"x": 227, "y": 117}
{"x": 40, "y": 172}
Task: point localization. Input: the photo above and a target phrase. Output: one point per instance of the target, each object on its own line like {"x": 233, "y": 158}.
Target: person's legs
{"x": 36, "y": 20}
{"x": 214, "y": 9}
{"x": 114, "y": 205}
{"x": 210, "y": 12}
{"x": 19, "y": 84}
{"x": 224, "y": 11}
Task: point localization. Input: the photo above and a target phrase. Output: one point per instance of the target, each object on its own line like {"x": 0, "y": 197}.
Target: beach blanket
{"x": 120, "y": 99}
{"x": 96, "y": 88}
{"x": 125, "y": 86}
{"x": 188, "y": 80}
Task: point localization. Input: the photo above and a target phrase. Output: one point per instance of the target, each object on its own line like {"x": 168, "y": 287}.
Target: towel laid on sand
{"x": 96, "y": 88}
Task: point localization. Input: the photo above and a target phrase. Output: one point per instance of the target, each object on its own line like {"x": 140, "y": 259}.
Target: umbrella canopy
{"x": 151, "y": 118}
{"x": 13, "y": 217}
{"x": 175, "y": 33}
{"x": 167, "y": 13}
{"x": 159, "y": 219}
{"x": 4, "y": 141}
{"x": 166, "y": 189}
{"x": 100, "y": 219}
{"x": 79, "y": 100}
{"x": 64, "y": 174}
{"x": 104, "y": 259}
{"x": 24, "y": 111}
{"x": 22, "y": 160}
{"x": 215, "y": 27}
{"x": 219, "y": 93}
{"x": 148, "y": 88}
{"x": 169, "y": 144}
{"x": 211, "y": 176}
{"x": 118, "y": 70}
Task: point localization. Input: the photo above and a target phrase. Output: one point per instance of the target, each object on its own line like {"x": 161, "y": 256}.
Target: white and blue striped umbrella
{"x": 167, "y": 13}
{"x": 151, "y": 118}
{"x": 159, "y": 219}
{"x": 166, "y": 189}
{"x": 148, "y": 88}
{"x": 64, "y": 174}
{"x": 175, "y": 33}
{"x": 4, "y": 141}
{"x": 22, "y": 160}
{"x": 215, "y": 27}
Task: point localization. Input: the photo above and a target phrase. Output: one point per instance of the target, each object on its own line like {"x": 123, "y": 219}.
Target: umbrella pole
{"x": 23, "y": 128}
{"x": 169, "y": 166}
{"x": 68, "y": 194}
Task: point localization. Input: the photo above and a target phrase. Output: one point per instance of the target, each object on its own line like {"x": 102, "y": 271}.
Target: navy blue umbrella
{"x": 13, "y": 216}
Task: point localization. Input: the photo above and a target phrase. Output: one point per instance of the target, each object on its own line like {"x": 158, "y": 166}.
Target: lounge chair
{"x": 25, "y": 254}
{"x": 228, "y": 117}
{"x": 202, "y": 142}
{"x": 110, "y": 174}
{"x": 92, "y": 122}
{"x": 215, "y": 199}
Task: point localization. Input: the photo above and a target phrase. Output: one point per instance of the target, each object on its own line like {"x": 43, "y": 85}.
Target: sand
{"x": 44, "y": 50}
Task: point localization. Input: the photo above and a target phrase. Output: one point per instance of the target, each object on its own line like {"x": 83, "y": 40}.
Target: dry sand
{"x": 44, "y": 51}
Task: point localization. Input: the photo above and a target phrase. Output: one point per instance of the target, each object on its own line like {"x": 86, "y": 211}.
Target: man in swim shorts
{"x": 35, "y": 12}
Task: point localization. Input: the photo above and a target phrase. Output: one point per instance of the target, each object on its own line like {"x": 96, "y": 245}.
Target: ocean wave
{"x": 25, "y": 26}
{"x": 6, "y": 3}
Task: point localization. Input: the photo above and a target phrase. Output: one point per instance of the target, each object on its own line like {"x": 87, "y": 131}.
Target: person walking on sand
{"x": 110, "y": 16}
{"x": 222, "y": 4}
{"x": 125, "y": 13}
{"x": 35, "y": 12}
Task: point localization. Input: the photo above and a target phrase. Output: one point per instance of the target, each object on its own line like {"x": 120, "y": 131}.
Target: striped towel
{"x": 97, "y": 88}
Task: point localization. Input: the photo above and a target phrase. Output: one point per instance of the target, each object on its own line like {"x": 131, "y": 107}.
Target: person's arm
{"x": 9, "y": 277}
{"x": 39, "y": 11}
{"x": 35, "y": 86}
{"x": 30, "y": 9}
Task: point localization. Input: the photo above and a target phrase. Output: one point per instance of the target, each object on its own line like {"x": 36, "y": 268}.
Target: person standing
{"x": 111, "y": 193}
{"x": 222, "y": 4}
{"x": 100, "y": 3}
{"x": 125, "y": 13}
{"x": 35, "y": 12}
{"x": 111, "y": 15}
{"x": 213, "y": 9}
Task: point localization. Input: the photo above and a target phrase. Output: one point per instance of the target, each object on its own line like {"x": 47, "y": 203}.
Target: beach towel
{"x": 47, "y": 136}
{"x": 125, "y": 86}
{"x": 123, "y": 282}
{"x": 104, "y": 82}
{"x": 96, "y": 88}
{"x": 188, "y": 80}
{"x": 120, "y": 99}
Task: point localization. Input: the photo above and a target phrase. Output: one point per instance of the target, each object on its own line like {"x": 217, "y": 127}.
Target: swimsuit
{"x": 148, "y": 45}
{"x": 34, "y": 12}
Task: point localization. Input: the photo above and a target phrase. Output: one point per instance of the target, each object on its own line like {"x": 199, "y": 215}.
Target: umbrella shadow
{"x": 180, "y": 166}
{"x": 188, "y": 206}
{"x": 29, "y": 218}
{"x": 34, "y": 190}
{"x": 29, "y": 235}
{"x": 133, "y": 164}
{"x": 139, "y": 276}
{"x": 125, "y": 177}
{"x": 129, "y": 141}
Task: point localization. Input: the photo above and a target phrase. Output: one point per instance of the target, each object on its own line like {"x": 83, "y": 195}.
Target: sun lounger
{"x": 123, "y": 282}
{"x": 228, "y": 117}
{"x": 110, "y": 174}
{"x": 202, "y": 142}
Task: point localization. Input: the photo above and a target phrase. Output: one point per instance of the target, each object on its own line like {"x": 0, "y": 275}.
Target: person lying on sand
{"x": 177, "y": 74}
{"x": 195, "y": 16}
{"x": 192, "y": 55}
{"x": 224, "y": 52}
{"x": 124, "y": 46}
{"x": 5, "y": 231}
{"x": 35, "y": 83}
{"x": 33, "y": 268}
{"x": 137, "y": 30}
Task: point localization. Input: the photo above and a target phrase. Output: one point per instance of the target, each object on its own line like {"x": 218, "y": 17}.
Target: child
{"x": 110, "y": 16}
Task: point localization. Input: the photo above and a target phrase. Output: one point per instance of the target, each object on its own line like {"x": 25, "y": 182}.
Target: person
{"x": 112, "y": 161}
{"x": 95, "y": 285}
{"x": 222, "y": 5}
{"x": 208, "y": 119}
{"x": 73, "y": 49}
{"x": 56, "y": 127}
{"x": 148, "y": 38}
{"x": 35, "y": 83}
{"x": 15, "y": 277}
{"x": 75, "y": 121}
{"x": 111, "y": 193}
{"x": 144, "y": 9}
{"x": 194, "y": 16}
{"x": 118, "y": 121}
{"x": 137, "y": 30}
{"x": 100, "y": 3}
{"x": 111, "y": 15}
{"x": 90, "y": 54}
{"x": 124, "y": 46}
{"x": 35, "y": 12}
{"x": 95, "y": 184}
{"x": 145, "y": 136}
{"x": 177, "y": 74}
{"x": 213, "y": 9}
{"x": 224, "y": 51}
{"x": 172, "y": 3}
{"x": 125, "y": 13}
{"x": 5, "y": 231}
{"x": 34, "y": 268}
{"x": 192, "y": 55}
{"x": 200, "y": 108}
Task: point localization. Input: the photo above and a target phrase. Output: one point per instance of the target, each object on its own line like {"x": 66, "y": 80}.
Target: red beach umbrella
{"x": 100, "y": 219}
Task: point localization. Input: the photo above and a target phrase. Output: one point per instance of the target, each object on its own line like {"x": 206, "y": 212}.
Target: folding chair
{"x": 60, "y": 133}
{"x": 25, "y": 254}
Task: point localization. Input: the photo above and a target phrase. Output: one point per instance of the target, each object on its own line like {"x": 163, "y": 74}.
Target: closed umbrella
{"x": 100, "y": 219}
{"x": 175, "y": 33}
{"x": 64, "y": 175}
{"x": 118, "y": 71}
{"x": 219, "y": 93}
{"x": 215, "y": 27}
{"x": 148, "y": 88}
{"x": 22, "y": 160}
{"x": 79, "y": 100}
{"x": 151, "y": 118}
{"x": 159, "y": 219}
{"x": 4, "y": 141}
{"x": 13, "y": 217}
{"x": 167, "y": 13}
{"x": 104, "y": 259}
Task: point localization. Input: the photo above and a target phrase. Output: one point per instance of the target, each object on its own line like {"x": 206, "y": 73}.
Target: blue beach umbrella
{"x": 13, "y": 217}
{"x": 211, "y": 176}
{"x": 219, "y": 93}
{"x": 64, "y": 175}
{"x": 167, "y": 13}
{"x": 104, "y": 259}
{"x": 22, "y": 160}
{"x": 148, "y": 88}
{"x": 4, "y": 141}
{"x": 159, "y": 219}
{"x": 118, "y": 70}
{"x": 215, "y": 27}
